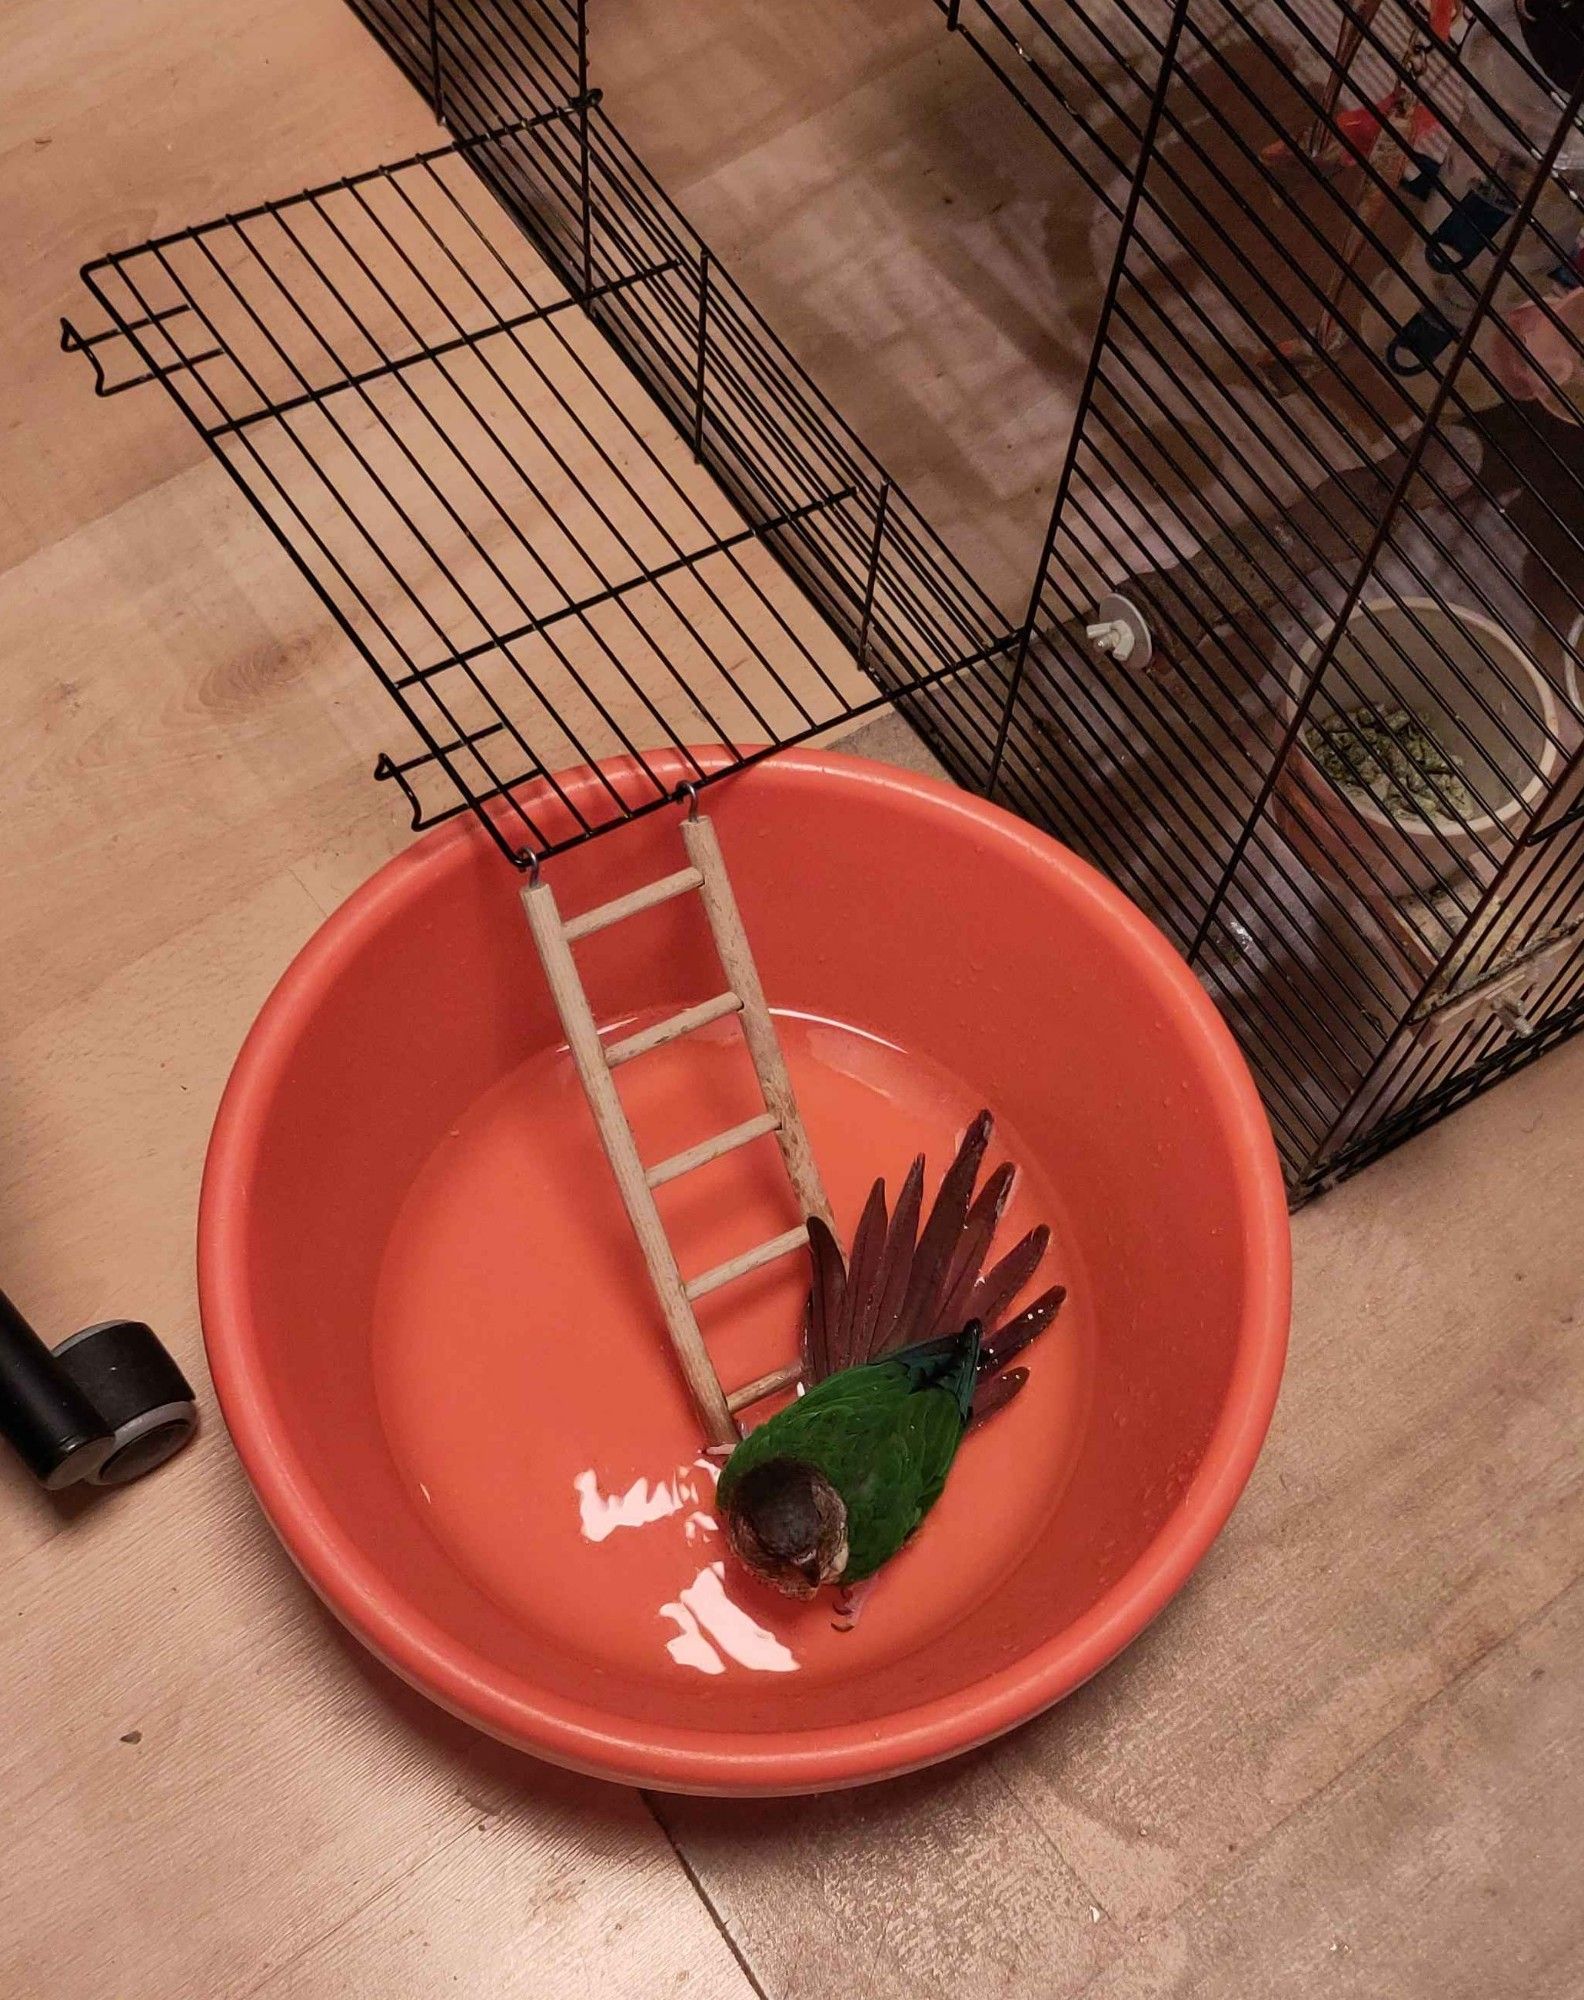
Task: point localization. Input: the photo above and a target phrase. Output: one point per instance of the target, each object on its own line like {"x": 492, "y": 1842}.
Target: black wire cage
{"x": 1327, "y": 458}
{"x": 1300, "y": 664}
{"x": 406, "y": 371}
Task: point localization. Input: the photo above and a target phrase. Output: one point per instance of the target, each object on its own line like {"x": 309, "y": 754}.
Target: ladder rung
{"x": 712, "y": 1149}
{"x": 628, "y": 906}
{"x": 750, "y": 1260}
{"x": 669, "y": 1029}
{"x": 764, "y": 1385}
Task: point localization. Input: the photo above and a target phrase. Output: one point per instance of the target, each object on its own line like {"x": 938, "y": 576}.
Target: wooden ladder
{"x": 595, "y": 1061}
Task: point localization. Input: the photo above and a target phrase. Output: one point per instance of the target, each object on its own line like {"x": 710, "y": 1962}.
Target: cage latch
{"x": 73, "y": 342}
{"x": 1118, "y": 629}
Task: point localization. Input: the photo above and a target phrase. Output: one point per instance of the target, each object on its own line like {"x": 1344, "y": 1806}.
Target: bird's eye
{"x": 811, "y": 1569}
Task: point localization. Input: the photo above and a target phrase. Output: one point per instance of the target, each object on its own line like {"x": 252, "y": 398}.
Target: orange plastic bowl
{"x": 436, "y": 1349}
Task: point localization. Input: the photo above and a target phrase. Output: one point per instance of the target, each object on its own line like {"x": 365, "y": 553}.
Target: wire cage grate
{"x": 1300, "y": 665}
{"x": 1325, "y": 452}
{"x": 539, "y": 567}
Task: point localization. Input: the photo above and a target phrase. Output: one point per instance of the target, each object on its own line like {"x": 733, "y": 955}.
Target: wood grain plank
{"x": 178, "y": 732}
{"x": 528, "y": 1902}
{"x": 930, "y": 1886}
{"x": 224, "y": 1781}
{"x": 1444, "y": 1863}
{"x": 909, "y": 232}
{"x": 207, "y": 1783}
{"x": 119, "y": 122}
{"x": 107, "y": 1102}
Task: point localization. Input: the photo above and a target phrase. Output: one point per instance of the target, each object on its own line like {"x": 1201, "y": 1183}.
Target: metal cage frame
{"x": 1228, "y": 521}
{"x": 1375, "y": 977}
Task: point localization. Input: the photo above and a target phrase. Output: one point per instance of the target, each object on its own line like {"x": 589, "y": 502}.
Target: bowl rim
{"x": 670, "y": 1757}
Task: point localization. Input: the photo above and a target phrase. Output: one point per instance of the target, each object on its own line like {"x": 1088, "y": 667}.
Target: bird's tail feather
{"x": 896, "y": 1265}
{"x": 1010, "y": 1340}
{"x": 995, "y": 1395}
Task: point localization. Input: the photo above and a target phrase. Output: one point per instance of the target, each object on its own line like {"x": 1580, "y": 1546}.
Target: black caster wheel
{"x": 103, "y": 1408}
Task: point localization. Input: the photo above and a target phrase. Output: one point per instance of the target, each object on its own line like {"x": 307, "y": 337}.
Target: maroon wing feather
{"x": 863, "y": 1275}
{"x": 932, "y": 1262}
{"x": 825, "y": 1299}
{"x": 995, "y": 1395}
{"x": 1001, "y": 1284}
{"x": 972, "y": 1248}
{"x": 902, "y": 1286}
{"x": 897, "y": 1264}
{"x": 1010, "y": 1340}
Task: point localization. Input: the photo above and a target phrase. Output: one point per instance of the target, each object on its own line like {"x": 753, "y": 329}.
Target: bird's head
{"x": 788, "y": 1524}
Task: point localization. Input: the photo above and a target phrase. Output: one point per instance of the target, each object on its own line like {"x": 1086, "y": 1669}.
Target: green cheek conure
{"x": 897, "y": 1366}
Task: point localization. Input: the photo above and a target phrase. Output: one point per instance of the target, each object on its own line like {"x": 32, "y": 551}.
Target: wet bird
{"x": 897, "y": 1364}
